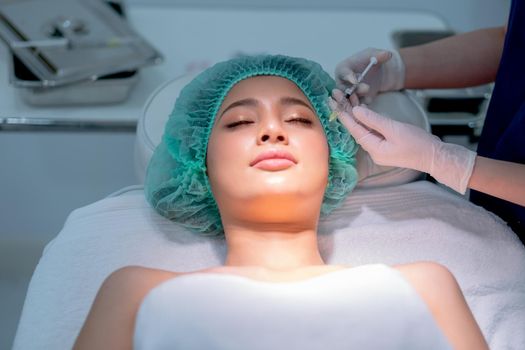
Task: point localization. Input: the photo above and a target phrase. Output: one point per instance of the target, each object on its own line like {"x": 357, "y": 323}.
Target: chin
{"x": 282, "y": 183}
{"x": 281, "y": 192}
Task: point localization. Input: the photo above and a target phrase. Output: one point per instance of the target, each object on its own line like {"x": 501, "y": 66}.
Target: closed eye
{"x": 237, "y": 123}
{"x": 300, "y": 120}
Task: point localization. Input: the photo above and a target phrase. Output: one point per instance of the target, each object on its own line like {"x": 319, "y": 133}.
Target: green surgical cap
{"x": 176, "y": 183}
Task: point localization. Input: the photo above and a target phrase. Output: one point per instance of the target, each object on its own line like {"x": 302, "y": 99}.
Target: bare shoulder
{"x": 434, "y": 282}
{"x": 129, "y": 276}
{"x": 438, "y": 288}
{"x": 128, "y": 285}
{"x": 426, "y": 271}
{"x": 109, "y": 323}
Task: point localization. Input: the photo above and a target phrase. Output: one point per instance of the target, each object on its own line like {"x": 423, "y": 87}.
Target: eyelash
{"x": 301, "y": 120}
{"x": 237, "y": 123}
{"x": 294, "y": 120}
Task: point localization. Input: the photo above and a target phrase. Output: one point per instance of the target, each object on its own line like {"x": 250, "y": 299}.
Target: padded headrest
{"x": 397, "y": 105}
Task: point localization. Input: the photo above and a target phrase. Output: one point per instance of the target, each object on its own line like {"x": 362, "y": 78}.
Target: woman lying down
{"x": 249, "y": 152}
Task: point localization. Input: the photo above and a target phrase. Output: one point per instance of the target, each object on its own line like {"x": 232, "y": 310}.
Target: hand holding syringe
{"x": 349, "y": 91}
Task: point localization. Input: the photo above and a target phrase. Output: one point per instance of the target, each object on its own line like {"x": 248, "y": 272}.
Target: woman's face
{"x": 267, "y": 152}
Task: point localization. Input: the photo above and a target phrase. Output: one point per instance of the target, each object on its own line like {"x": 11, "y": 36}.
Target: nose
{"x": 272, "y": 132}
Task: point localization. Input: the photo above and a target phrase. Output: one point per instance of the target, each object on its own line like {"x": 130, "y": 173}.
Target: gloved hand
{"x": 393, "y": 143}
{"x": 387, "y": 75}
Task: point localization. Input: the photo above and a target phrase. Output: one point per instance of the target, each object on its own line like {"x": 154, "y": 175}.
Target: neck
{"x": 274, "y": 250}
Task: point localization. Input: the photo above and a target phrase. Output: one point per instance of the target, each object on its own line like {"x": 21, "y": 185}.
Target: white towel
{"x": 340, "y": 310}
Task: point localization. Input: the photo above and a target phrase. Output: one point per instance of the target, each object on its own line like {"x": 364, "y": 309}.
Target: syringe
{"x": 349, "y": 91}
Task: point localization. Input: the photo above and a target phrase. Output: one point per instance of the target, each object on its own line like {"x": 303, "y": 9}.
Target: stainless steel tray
{"x": 111, "y": 88}
{"x": 67, "y": 41}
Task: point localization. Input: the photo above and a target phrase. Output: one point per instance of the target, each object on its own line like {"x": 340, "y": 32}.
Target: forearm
{"x": 463, "y": 60}
{"x": 500, "y": 179}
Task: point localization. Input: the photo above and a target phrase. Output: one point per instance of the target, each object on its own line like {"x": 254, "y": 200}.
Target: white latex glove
{"x": 393, "y": 143}
{"x": 387, "y": 75}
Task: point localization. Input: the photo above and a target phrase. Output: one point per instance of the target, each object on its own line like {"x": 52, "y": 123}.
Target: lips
{"x": 273, "y": 160}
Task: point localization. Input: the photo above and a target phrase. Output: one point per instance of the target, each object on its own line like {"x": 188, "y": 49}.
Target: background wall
{"x": 462, "y": 15}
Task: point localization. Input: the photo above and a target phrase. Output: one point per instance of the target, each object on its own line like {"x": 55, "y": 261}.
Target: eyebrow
{"x": 251, "y": 102}
{"x": 244, "y": 102}
{"x": 289, "y": 101}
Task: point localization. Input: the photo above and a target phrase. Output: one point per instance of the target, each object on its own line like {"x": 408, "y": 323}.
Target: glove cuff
{"x": 394, "y": 73}
{"x": 452, "y": 166}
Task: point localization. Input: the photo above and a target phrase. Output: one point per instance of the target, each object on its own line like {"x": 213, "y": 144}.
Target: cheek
{"x": 224, "y": 156}
{"x": 318, "y": 155}
{"x": 324, "y": 156}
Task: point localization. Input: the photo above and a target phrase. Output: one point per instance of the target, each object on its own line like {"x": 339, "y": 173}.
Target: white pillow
{"x": 398, "y": 105}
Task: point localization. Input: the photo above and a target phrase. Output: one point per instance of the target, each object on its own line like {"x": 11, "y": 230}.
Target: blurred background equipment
{"x": 450, "y": 111}
{"x": 72, "y": 51}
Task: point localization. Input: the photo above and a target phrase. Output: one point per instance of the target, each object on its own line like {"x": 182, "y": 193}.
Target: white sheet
{"x": 340, "y": 310}
{"x": 411, "y": 222}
